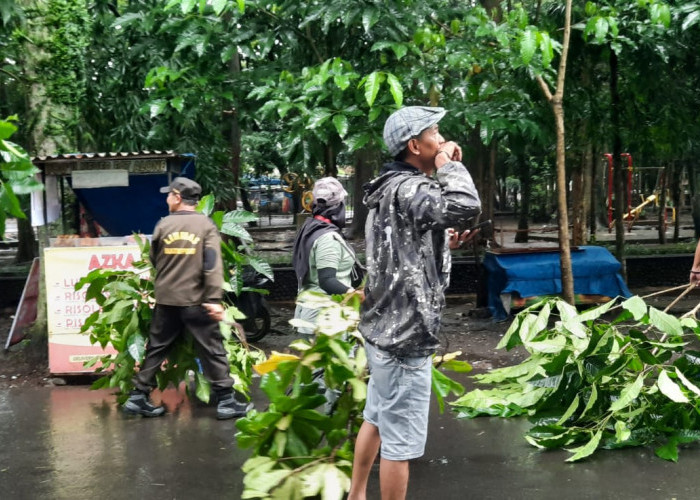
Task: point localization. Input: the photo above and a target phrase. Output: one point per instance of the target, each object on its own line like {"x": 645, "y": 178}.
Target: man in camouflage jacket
{"x": 408, "y": 242}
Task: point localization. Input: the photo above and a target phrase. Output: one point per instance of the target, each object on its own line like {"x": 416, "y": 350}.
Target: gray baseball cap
{"x": 409, "y": 122}
{"x": 329, "y": 191}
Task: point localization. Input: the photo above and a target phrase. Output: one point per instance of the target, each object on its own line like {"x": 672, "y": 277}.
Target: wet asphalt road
{"x": 72, "y": 443}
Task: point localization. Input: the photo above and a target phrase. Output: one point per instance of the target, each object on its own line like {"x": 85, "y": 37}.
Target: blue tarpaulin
{"x": 135, "y": 208}
{"x": 595, "y": 270}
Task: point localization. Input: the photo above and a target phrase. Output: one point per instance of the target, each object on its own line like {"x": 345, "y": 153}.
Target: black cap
{"x": 186, "y": 188}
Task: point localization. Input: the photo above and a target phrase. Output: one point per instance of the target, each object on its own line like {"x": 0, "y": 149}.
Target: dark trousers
{"x": 167, "y": 325}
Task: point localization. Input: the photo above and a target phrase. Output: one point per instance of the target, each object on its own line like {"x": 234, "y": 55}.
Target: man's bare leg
{"x": 366, "y": 449}
{"x": 393, "y": 479}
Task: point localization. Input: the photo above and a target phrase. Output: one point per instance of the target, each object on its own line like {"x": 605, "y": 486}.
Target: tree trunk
{"x": 676, "y": 198}
{"x": 587, "y": 191}
{"x": 525, "y": 194}
{"x": 366, "y": 163}
{"x": 491, "y": 183}
{"x": 578, "y": 222}
{"x": 26, "y": 242}
{"x": 567, "y": 277}
{"x": 235, "y": 134}
{"x": 662, "y": 207}
{"x": 477, "y": 162}
{"x": 618, "y": 169}
{"x": 493, "y": 7}
{"x": 331, "y": 169}
{"x": 556, "y": 101}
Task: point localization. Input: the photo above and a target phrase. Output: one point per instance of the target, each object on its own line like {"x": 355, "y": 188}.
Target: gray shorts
{"x": 398, "y": 402}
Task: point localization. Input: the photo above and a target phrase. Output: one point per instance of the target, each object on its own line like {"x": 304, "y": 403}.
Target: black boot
{"x": 140, "y": 404}
{"x": 230, "y": 406}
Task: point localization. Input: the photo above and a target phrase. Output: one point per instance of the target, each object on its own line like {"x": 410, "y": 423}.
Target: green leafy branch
{"x": 591, "y": 382}
{"x": 303, "y": 443}
{"x": 17, "y": 174}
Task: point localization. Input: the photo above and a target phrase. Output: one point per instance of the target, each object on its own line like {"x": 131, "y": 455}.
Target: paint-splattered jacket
{"x": 408, "y": 258}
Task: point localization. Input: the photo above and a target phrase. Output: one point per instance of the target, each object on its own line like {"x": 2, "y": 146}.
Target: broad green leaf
{"x": 587, "y": 449}
{"x": 591, "y": 9}
{"x": 687, "y": 435}
{"x": 290, "y": 489}
{"x": 342, "y": 81}
{"x": 127, "y": 19}
{"x": 574, "y": 326}
{"x": 622, "y": 432}
{"x": 156, "y": 107}
{"x": 550, "y": 345}
{"x": 399, "y": 49}
{"x": 481, "y": 399}
{"x": 566, "y": 310}
{"x": 372, "y": 84}
{"x": 511, "y": 333}
{"x": 358, "y": 141}
{"x": 569, "y": 411}
{"x": 178, "y": 103}
{"x": 236, "y": 231}
{"x": 691, "y": 323}
{"x": 456, "y": 365}
{"x": 525, "y": 371}
{"x": 528, "y": 45}
{"x": 318, "y": 117}
{"x": 636, "y": 306}
{"x": 187, "y": 5}
{"x": 691, "y": 20}
{"x": 669, "y": 451}
{"x": 528, "y": 328}
{"x": 218, "y": 6}
{"x": 6, "y": 129}
{"x": 263, "y": 481}
{"x": 687, "y": 383}
{"x": 240, "y": 217}
{"x": 546, "y": 48}
{"x": 258, "y": 463}
{"x": 596, "y": 312}
{"x": 327, "y": 480}
{"x": 601, "y": 29}
{"x": 284, "y": 422}
{"x": 628, "y": 394}
{"x": 9, "y": 203}
{"x": 374, "y": 114}
{"x": 665, "y": 322}
{"x": 370, "y": 16}
{"x": 395, "y": 89}
{"x": 486, "y": 133}
{"x": 206, "y": 204}
{"x": 670, "y": 389}
{"x": 443, "y": 385}
{"x": 591, "y": 400}
{"x": 553, "y": 436}
{"x": 203, "y": 387}
{"x": 341, "y": 124}
{"x": 661, "y": 13}
{"x": 262, "y": 267}
{"x": 359, "y": 389}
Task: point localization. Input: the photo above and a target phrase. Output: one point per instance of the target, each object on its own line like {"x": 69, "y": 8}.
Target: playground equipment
{"x": 292, "y": 182}
{"x": 631, "y": 216}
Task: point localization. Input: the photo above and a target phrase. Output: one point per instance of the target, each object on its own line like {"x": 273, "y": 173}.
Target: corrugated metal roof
{"x": 135, "y": 155}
